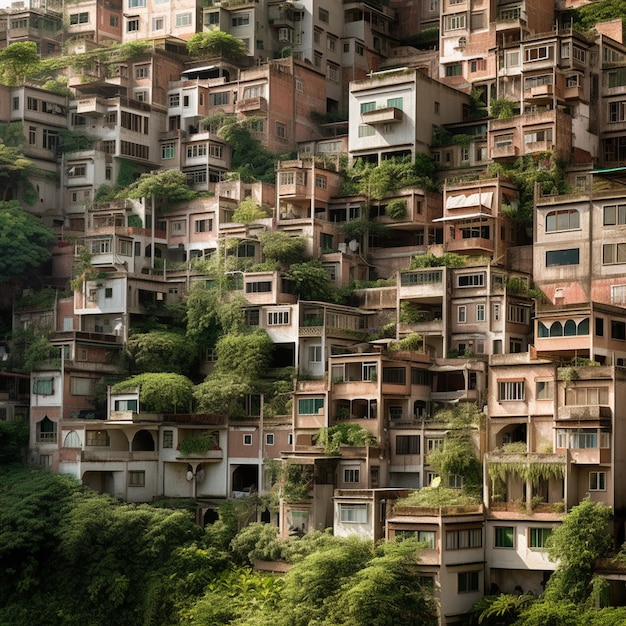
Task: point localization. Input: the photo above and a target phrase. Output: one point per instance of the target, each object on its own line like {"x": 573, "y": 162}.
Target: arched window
{"x": 72, "y": 440}
{"x": 46, "y": 430}
{"x": 562, "y": 220}
{"x": 583, "y": 327}
{"x": 556, "y": 330}
{"x": 542, "y": 330}
{"x": 570, "y": 328}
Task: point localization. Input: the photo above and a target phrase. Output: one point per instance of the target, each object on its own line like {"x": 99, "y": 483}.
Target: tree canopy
{"x": 23, "y": 242}
{"x": 161, "y": 351}
{"x": 167, "y": 187}
{"x": 160, "y": 392}
{"x": 216, "y": 43}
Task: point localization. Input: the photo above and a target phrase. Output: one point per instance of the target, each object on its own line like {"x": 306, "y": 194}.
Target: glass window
{"x": 407, "y": 444}
{"x": 310, "y": 406}
{"x": 467, "y": 582}
{"x": 43, "y": 386}
{"x": 351, "y": 475}
{"x": 137, "y": 479}
{"x": 597, "y": 481}
{"x": 513, "y": 390}
{"x": 569, "y": 256}
{"x": 353, "y": 513}
{"x": 537, "y": 537}
{"x": 504, "y": 537}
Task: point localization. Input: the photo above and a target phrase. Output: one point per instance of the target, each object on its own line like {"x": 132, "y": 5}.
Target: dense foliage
{"x": 70, "y": 557}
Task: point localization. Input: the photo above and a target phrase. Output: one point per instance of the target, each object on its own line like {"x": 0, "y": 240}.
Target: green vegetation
{"x": 333, "y": 437}
{"x": 159, "y": 392}
{"x": 543, "y": 169}
{"x": 216, "y": 43}
{"x": 248, "y": 211}
{"x": 585, "y": 17}
{"x": 459, "y": 454}
{"x": 161, "y": 351}
{"x": 24, "y": 241}
{"x": 165, "y": 187}
{"x": 428, "y": 259}
{"x": 197, "y": 444}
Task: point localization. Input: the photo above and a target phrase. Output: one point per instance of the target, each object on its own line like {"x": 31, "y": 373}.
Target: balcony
{"x": 422, "y": 284}
{"x": 532, "y": 147}
{"x": 539, "y": 92}
{"x": 105, "y": 454}
{"x": 252, "y": 105}
{"x": 573, "y": 93}
{"x": 207, "y": 457}
{"x": 594, "y": 413}
{"x": 386, "y": 115}
{"x": 92, "y": 107}
{"x": 504, "y": 151}
{"x": 512, "y": 18}
{"x": 469, "y": 245}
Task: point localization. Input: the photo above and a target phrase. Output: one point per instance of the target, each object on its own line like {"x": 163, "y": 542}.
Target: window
{"x": 132, "y": 25}
{"x": 196, "y": 150}
{"x": 455, "y": 22}
{"x": 331, "y": 43}
{"x": 178, "y": 227}
{"x": 323, "y": 15}
{"x": 168, "y": 439}
{"x": 461, "y": 314}
{"x": 50, "y": 139}
{"x": 212, "y": 19}
{"x": 368, "y": 106}
{"x": 79, "y": 18}
{"x": 455, "y": 481}
{"x": 480, "y": 312}
{"x": 613, "y": 253}
{"x": 332, "y": 72}
{"x": 315, "y": 354}
{"x": 32, "y": 135}
{"x": 240, "y": 19}
{"x": 42, "y": 386}
{"x": 247, "y": 440}
{"x": 519, "y": 313}
{"x": 126, "y": 405}
{"x": 394, "y": 375}
{"x": 407, "y": 444}
{"x": 463, "y": 539}
{"x": 366, "y": 131}
{"x": 269, "y": 439}
{"x": 471, "y": 280}
{"x": 537, "y": 537}
{"x": 281, "y": 130}
{"x": 72, "y": 440}
{"x": 183, "y": 19}
{"x": 353, "y": 513}
{"x": 203, "y": 226}
{"x": 351, "y": 475}
{"x": 77, "y": 171}
{"x": 369, "y": 371}
{"x": 277, "y": 318}
{"x": 597, "y": 481}
{"x": 583, "y": 439}
{"x": 562, "y": 220}
{"x": 467, "y": 582}
{"x": 395, "y": 102}
{"x": 569, "y": 256}
{"x": 539, "y": 53}
{"x": 114, "y": 21}
{"x": 617, "y": 111}
{"x": 136, "y": 479}
{"x": 618, "y": 330}
{"x": 513, "y": 390}
{"x": 168, "y": 151}
{"x": 82, "y": 386}
{"x": 320, "y": 181}
{"x": 46, "y": 430}
{"x": 142, "y": 72}
{"x": 426, "y": 537}
{"x": 261, "y": 286}
{"x": 545, "y": 390}
{"x": 219, "y": 98}
{"x": 310, "y": 406}
{"x": 97, "y": 438}
{"x": 299, "y": 85}
{"x": 504, "y": 537}
{"x": 454, "y": 69}
{"x": 614, "y": 215}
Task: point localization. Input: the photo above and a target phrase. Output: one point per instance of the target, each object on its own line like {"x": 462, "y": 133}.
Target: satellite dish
{"x": 353, "y": 245}
{"x": 435, "y": 482}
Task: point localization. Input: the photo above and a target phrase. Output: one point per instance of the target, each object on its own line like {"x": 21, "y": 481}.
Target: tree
{"x": 23, "y": 242}
{"x": 283, "y": 248}
{"x": 166, "y": 187}
{"x": 248, "y": 211}
{"x": 210, "y": 314}
{"x": 15, "y": 170}
{"x": 576, "y": 544}
{"x": 310, "y": 281}
{"x": 458, "y": 456}
{"x": 386, "y": 591}
{"x": 160, "y": 392}
{"x": 18, "y": 61}
{"x": 41, "y": 352}
{"x": 13, "y": 441}
{"x": 216, "y": 43}
{"x": 162, "y": 351}
{"x": 344, "y": 434}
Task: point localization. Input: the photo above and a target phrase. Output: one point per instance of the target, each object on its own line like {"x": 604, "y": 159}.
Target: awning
{"x": 465, "y": 216}
{"x": 474, "y": 199}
